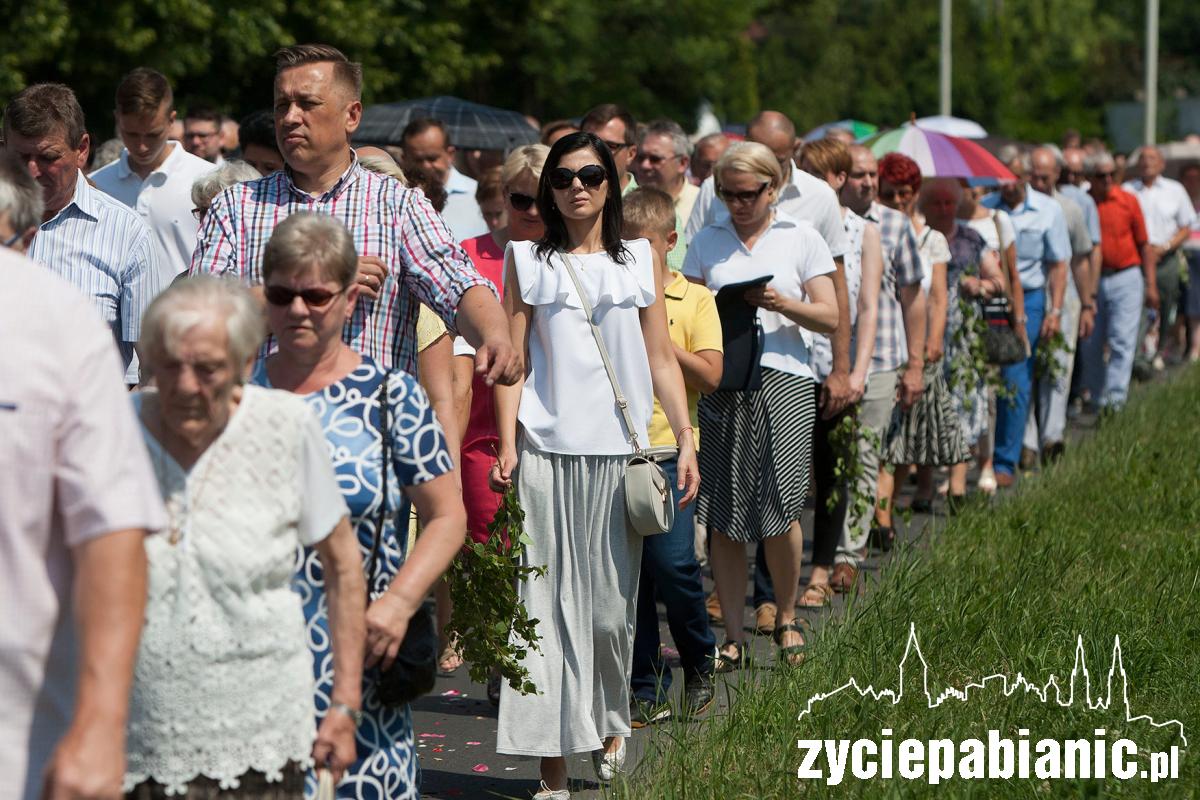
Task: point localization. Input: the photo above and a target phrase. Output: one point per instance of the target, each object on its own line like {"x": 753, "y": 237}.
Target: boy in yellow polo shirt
{"x": 669, "y": 566}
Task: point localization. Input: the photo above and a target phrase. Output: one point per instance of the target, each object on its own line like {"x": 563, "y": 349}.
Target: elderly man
{"x": 154, "y": 175}
{"x": 97, "y": 244}
{"x": 407, "y": 255}
{"x": 1043, "y": 248}
{"x": 705, "y": 154}
{"x": 426, "y": 146}
{"x": 1169, "y": 214}
{"x": 77, "y": 497}
{"x": 202, "y": 133}
{"x": 616, "y": 128}
{"x": 898, "y": 362}
{"x": 1127, "y": 279}
{"x": 1048, "y": 414}
{"x": 662, "y": 162}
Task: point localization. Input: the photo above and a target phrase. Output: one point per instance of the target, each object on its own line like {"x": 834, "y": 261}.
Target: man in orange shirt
{"x": 1127, "y": 281}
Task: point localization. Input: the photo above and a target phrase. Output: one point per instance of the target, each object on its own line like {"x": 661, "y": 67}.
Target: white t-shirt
{"x": 461, "y": 211}
{"x": 568, "y": 405}
{"x": 986, "y": 227}
{"x": 71, "y": 471}
{"x": 934, "y": 249}
{"x": 164, "y": 201}
{"x": 793, "y": 253}
{"x": 1166, "y": 207}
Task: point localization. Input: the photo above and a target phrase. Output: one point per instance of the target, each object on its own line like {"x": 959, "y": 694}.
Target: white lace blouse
{"x": 223, "y": 683}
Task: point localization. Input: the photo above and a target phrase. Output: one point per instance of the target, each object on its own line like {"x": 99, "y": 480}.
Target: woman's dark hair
{"x": 555, "y": 237}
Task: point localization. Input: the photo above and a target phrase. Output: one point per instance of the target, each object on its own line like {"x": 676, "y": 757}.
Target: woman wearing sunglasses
{"x": 309, "y": 270}
{"x": 570, "y": 455}
{"x": 758, "y": 441}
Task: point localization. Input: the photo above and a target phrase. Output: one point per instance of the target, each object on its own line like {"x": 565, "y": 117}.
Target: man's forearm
{"x": 480, "y": 317}
{"x": 840, "y": 339}
{"x": 1058, "y": 284}
{"x": 1149, "y": 263}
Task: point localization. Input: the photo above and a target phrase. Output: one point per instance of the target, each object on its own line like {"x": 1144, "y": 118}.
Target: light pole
{"x": 944, "y": 82}
{"x": 1149, "y": 136}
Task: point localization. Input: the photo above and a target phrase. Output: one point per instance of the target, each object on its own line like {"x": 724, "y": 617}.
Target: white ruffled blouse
{"x": 224, "y": 681}
{"x": 568, "y": 405}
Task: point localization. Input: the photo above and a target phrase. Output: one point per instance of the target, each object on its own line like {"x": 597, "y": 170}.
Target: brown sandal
{"x": 816, "y": 595}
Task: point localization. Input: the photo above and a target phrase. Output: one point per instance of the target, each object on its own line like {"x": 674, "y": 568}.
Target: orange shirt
{"x": 1122, "y": 229}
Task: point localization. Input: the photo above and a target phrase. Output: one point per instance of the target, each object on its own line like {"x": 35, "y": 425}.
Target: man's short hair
{"x": 20, "y": 194}
{"x": 1010, "y": 153}
{"x": 43, "y": 108}
{"x": 670, "y": 129}
{"x": 346, "y": 72}
{"x": 416, "y": 127}
{"x": 1094, "y": 162}
{"x": 258, "y": 127}
{"x": 143, "y": 91}
{"x": 828, "y": 155}
{"x": 605, "y": 113}
{"x": 647, "y": 210}
{"x": 204, "y": 113}
{"x": 490, "y": 186}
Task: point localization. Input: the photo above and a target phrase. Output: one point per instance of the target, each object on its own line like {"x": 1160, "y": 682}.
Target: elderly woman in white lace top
{"x": 222, "y": 695}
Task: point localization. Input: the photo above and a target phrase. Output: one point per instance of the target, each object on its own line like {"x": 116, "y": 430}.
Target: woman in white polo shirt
{"x": 755, "y": 465}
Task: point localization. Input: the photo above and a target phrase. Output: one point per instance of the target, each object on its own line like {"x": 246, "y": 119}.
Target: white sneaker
{"x": 546, "y": 793}
{"x": 608, "y": 764}
{"x": 987, "y": 481}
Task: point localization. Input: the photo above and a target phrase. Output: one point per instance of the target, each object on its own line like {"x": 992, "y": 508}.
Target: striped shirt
{"x": 385, "y": 219}
{"x": 901, "y": 268}
{"x": 105, "y": 250}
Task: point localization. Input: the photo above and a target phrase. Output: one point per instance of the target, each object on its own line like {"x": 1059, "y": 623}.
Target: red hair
{"x": 900, "y": 170}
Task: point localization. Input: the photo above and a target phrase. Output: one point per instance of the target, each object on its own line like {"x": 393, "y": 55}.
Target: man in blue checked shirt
{"x": 1043, "y": 249}
{"x": 96, "y": 243}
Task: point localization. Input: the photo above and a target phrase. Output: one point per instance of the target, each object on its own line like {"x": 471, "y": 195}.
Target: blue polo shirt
{"x": 1042, "y": 238}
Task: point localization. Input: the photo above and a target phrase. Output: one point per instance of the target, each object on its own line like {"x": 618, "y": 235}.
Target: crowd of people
{"x": 237, "y": 356}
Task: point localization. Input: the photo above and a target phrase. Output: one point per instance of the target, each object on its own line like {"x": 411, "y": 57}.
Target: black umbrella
{"x": 470, "y": 125}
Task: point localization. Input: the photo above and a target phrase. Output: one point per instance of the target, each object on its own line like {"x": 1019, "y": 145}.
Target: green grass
{"x": 1105, "y": 544}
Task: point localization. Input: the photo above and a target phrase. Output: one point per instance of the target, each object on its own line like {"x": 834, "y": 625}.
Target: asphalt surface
{"x": 455, "y": 726}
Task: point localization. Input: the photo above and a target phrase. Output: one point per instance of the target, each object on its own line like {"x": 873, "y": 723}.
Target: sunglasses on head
{"x": 742, "y": 197}
{"x": 313, "y": 298}
{"x": 590, "y": 176}
{"x": 521, "y": 202}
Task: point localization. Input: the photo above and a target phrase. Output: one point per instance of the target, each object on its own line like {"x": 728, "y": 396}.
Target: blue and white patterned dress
{"x": 387, "y": 766}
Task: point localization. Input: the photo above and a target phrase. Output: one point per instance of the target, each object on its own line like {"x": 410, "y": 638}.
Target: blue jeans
{"x": 1011, "y": 413}
{"x": 670, "y": 571}
{"x": 1118, "y": 314}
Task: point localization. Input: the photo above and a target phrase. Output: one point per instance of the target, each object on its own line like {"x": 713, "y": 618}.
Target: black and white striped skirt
{"x": 931, "y": 432}
{"x": 755, "y": 453}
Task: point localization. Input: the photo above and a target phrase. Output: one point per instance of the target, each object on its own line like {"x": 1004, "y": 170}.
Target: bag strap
{"x": 384, "y": 441}
{"x": 622, "y": 403}
{"x": 1001, "y": 251}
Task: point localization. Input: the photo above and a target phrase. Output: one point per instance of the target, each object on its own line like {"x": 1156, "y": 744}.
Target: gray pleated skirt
{"x": 586, "y": 606}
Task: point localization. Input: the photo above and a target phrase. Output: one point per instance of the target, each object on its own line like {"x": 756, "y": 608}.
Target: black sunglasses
{"x": 521, "y": 202}
{"x": 590, "y": 176}
{"x": 313, "y": 298}
{"x": 742, "y": 197}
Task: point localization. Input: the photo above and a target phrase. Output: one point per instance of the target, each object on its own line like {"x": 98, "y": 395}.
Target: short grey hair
{"x": 20, "y": 194}
{"x": 670, "y": 129}
{"x": 107, "y": 153}
{"x": 1094, "y": 162}
{"x": 189, "y": 302}
{"x": 211, "y": 184}
{"x": 1011, "y": 152}
{"x": 308, "y": 239}
{"x": 1057, "y": 152}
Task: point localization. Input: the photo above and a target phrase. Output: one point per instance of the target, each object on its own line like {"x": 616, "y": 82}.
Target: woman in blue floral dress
{"x": 309, "y": 269}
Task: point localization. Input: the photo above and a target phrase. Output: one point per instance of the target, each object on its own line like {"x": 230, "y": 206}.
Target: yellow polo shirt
{"x": 694, "y": 325}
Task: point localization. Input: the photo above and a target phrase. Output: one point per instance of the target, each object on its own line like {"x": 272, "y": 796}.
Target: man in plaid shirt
{"x": 406, "y": 253}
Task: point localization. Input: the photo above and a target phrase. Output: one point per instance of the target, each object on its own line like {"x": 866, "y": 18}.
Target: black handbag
{"x": 1000, "y": 340}
{"x": 414, "y": 671}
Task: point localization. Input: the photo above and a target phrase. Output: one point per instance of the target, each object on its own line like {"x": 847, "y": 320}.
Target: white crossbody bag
{"x": 648, "y": 499}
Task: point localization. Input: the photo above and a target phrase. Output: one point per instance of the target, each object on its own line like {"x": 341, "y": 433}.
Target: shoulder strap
{"x": 1002, "y": 251}
{"x": 381, "y": 517}
{"x": 622, "y": 403}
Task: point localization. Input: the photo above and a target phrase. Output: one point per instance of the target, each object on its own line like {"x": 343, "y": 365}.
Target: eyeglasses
{"x": 590, "y": 176}
{"x": 614, "y": 147}
{"x": 521, "y": 202}
{"x": 199, "y": 213}
{"x": 313, "y": 298}
{"x": 742, "y": 197}
{"x": 1104, "y": 176}
{"x": 654, "y": 160}
{"x": 10, "y": 241}
{"x": 896, "y": 193}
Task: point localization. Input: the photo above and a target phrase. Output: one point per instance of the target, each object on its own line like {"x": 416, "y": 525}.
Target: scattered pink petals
{"x": 480, "y": 768}
{"x": 451, "y": 693}
{"x": 432, "y": 736}
{"x": 474, "y": 743}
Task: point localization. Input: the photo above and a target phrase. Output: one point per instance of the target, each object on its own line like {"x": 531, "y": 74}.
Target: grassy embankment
{"x": 1106, "y": 544}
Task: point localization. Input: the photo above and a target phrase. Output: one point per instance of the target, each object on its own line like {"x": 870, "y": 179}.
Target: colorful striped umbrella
{"x": 941, "y": 156}
{"x": 860, "y": 129}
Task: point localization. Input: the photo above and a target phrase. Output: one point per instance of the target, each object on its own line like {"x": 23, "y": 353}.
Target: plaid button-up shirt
{"x": 385, "y": 219}
{"x": 901, "y": 267}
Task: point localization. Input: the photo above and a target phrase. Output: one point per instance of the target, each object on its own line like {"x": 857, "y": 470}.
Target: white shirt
{"x": 987, "y": 228}
{"x": 822, "y": 344}
{"x": 1166, "y": 207}
{"x": 462, "y": 213}
{"x": 68, "y": 475}
{"x": 934, "y": 249}
{"x": 803, "y": 198}
{"x": 793, "y": 252}
{"x": 224, "y": 677}
{"x": 164, "y": 201}
{"x": 568, "y": 404}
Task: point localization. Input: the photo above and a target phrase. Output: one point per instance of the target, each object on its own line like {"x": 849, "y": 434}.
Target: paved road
{"x": 456, "y": 726}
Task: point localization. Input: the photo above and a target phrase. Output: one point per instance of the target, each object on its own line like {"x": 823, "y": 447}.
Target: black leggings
{"x": 827, "y": 524}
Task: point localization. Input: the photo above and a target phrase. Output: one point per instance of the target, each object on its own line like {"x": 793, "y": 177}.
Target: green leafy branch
{"x": 848, "y": 474}
{"x": 1046, "y": 363}
{"x": 489, "y": 621}
{"x": 970, "y": 366}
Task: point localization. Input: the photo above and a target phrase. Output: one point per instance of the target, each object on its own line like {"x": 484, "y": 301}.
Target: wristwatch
{"x": 353, "y": 713}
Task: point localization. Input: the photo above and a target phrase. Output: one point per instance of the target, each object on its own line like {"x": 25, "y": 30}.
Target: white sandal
{"x": 546, "y": 793}
{"x": 609, "y": 764}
